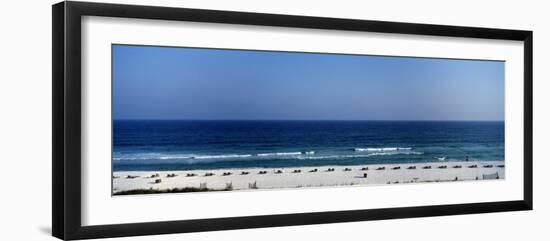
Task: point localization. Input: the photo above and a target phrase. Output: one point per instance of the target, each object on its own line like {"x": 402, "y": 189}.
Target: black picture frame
{"x": 66, "y": 159}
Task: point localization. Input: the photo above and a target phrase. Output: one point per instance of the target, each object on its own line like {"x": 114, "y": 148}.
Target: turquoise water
{"x": 187, "y": 145}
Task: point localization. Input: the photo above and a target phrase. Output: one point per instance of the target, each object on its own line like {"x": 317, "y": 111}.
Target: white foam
{"x": 383, "y": 149}
{"x": 221, "y": 156}
{"x": 359, "y": 156}
{"x": 138, "y": 156}
{"x": 299, "y": 155}
{"x": 281, "y": 154}
{"x": 160, "y": 156}
{"x": 396, "y": 153}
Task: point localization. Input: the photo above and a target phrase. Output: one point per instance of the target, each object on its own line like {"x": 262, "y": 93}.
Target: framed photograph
{"x": 169, "y": 120}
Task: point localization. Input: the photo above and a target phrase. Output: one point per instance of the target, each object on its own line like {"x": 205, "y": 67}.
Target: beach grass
{"x": 168, "y": 190}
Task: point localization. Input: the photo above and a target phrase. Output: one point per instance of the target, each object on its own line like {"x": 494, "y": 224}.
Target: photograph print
{"x": 202, "y": 119}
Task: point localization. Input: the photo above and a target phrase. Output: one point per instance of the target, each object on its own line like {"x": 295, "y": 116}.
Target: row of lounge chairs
{"x": 412, "y": 167}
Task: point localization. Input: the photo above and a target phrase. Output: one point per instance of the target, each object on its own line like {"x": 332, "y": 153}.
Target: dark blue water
{"x": 183, "y": 145}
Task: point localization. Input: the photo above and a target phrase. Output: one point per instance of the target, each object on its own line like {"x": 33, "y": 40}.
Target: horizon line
{"x": 175, "y": 119}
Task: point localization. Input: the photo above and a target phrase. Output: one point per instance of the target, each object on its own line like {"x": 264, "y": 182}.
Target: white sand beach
{"x": 293, "y": 177}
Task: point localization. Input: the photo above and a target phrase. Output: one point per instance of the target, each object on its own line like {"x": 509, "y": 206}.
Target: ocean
{"x": 149, "y": 145}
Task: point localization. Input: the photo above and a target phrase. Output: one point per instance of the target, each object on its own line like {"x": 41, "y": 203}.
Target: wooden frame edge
{"x": 58, "y": 79}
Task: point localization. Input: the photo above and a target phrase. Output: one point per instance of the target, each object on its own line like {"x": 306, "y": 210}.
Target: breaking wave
{"x": 303, "y": 155}
{"x": 166, "y": 156}
{"x": 383, "y": 149}
{"x": 360, "y": 155}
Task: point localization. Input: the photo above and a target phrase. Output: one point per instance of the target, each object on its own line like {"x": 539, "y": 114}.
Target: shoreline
{"x": 143, "y": 182}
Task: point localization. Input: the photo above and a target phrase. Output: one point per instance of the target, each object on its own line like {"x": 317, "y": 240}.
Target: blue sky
{"x": 193, "y": 83}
